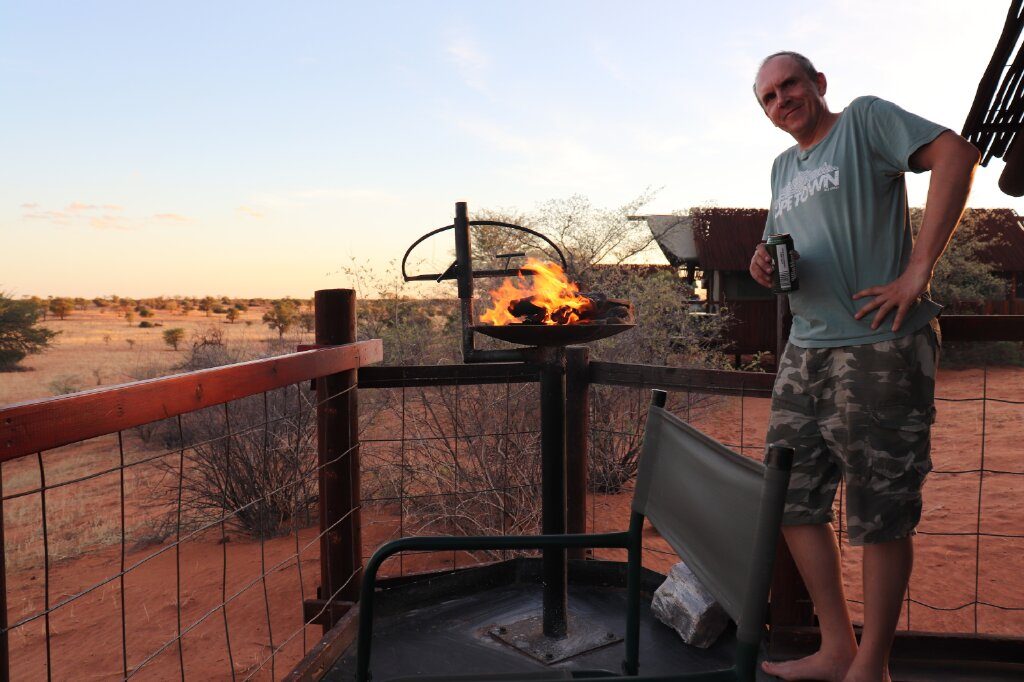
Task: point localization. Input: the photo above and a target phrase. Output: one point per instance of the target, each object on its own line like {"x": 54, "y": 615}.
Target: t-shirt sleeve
{"x": 895, "y": 134}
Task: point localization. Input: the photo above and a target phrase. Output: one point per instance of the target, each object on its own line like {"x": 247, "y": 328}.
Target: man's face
{"x": 792, "y": 101}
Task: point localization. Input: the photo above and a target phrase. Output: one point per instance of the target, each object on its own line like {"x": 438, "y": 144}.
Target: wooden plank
{"x": 448, "y": 375}
{"x": 318, "y": 612}
{"x": 318, "y": 661}
{"x": 721, "y": 382}
{"x": 912, "y": 645}
{"x": 45, "y": 424}
{"x": 982, "y": 327}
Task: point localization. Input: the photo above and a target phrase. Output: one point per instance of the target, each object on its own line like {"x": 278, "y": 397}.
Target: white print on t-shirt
{"x": 824, "y": 178}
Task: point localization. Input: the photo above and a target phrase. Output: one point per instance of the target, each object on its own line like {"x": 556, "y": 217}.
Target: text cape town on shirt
{"x": 844, "y": 201}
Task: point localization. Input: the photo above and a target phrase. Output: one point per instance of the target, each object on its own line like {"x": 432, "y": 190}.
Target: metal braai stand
{"x": 555, "y": 634}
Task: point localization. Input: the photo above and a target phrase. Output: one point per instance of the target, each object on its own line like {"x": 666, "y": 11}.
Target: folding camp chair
{"x": 718, "y": 510}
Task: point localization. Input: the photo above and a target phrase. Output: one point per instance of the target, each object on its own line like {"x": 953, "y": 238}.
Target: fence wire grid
{"x": 958, "y": 537}
{"x": 241, "y": 475}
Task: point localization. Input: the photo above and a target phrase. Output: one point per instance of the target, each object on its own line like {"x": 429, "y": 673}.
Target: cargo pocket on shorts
{"x": 899, "y": 441}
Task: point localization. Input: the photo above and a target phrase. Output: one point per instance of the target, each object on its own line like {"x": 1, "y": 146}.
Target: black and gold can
{"x": 780, "y": 248}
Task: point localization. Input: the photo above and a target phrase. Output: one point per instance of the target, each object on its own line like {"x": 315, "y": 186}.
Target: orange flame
{"x": 550, "y": 290}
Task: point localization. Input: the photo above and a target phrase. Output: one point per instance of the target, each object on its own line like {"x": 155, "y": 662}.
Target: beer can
{"x": 780, "y": 248}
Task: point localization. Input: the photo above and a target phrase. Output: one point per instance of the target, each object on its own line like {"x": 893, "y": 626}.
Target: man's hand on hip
{"x": 900, "y": 295}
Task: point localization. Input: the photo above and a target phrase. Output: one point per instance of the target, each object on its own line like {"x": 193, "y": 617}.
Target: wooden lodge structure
{"x": 714, "y": 245}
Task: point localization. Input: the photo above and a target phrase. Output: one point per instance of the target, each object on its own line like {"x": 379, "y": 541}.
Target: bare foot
{"x": 856, "y": 675}
{"x": 817, "y": 666}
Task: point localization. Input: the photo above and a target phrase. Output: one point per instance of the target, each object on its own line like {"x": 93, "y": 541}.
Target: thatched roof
{"x": 997, "y": 114}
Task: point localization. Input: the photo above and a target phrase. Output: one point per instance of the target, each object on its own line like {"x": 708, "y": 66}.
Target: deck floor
{"x": 451, "y": 637}
{"x": 447, "y": 634}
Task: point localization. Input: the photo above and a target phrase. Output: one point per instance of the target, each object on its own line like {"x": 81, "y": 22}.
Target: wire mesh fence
{"x": 970, "y": 543}
{"x": 179, "y": 548}
{"x": 449, "y": 460}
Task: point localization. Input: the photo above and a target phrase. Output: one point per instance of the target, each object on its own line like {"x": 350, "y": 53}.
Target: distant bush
{"x": 981, "y": 353}
{"x": 146, "y": 324}
{"x": 219, "y": 309}
{"x": 145, "y": 312}
{"x": 66, "y": 383}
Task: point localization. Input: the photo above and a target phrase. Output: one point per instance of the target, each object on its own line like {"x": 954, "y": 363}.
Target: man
{"x": 855, "y": 386}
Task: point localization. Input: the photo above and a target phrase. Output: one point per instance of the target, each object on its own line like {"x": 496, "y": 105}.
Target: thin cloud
{"x": 111, "y": 222}
{"x": 94, "y": 216}
{"x": 470, "y": 61}
{"x": 250, "y": 211}
{"x": 171, "y": 217}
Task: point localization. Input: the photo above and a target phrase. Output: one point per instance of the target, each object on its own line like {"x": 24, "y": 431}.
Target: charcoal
{"x": 616, "y": 314}
{"x": 561, "y": 315}
{"x": 524, "y": 307}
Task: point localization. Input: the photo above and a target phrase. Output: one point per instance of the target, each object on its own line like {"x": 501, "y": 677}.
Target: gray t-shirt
{"x": 844, "y": 201}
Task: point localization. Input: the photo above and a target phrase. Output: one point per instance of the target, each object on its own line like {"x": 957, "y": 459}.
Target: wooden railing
{"x": 30, "y": 429}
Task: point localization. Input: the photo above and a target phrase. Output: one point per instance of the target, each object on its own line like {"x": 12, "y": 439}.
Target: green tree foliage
{"x": 174, "y": 336}
{"x": 964, "y": 275}
{"x": 282, "y": 316}
{"x": 19, "y": 335}
{"x": 232, "y": 315}
{"x": 61, "y": 307}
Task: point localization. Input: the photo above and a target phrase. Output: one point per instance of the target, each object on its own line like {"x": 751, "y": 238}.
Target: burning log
{"x": 551, "y": 299}
{"x": 597, "y": 309}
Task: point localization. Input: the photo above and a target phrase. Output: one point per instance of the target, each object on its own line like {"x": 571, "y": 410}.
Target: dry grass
{"x": 97, "y": 347}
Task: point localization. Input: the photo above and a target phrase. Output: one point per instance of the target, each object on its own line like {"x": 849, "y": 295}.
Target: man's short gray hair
{"x": 803, "y": 61}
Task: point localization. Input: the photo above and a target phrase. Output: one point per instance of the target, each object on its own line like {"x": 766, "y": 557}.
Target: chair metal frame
{"x": 750, "y": 625}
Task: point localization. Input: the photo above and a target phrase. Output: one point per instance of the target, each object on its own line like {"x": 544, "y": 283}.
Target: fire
{"x": 550, "y": 293}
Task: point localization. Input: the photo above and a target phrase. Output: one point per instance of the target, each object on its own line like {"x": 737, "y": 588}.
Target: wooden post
{"x": 577, "y": 428}
{"x": 341, "y": 555}
{"x": 5, "y": 652}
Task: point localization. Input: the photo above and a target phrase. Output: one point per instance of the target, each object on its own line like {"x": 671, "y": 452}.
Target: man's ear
{"x": 822, "y": 83}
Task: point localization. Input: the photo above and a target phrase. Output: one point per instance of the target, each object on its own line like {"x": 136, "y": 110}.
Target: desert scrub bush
{"x": 982, "y": 353}
{"x": 146, "y": 324}
{"x": 66, "y": 383}
{"x": 253, "y": 461}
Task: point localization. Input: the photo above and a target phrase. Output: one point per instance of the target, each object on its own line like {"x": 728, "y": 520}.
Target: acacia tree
{"x": 61, "y": 307}
{"x": 174, "y": 336}
{"x": 282, "y": 316}
{"x": 18, "y": 334}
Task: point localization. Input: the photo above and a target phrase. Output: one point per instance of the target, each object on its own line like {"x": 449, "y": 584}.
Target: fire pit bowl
{"x": 551, "y": 334}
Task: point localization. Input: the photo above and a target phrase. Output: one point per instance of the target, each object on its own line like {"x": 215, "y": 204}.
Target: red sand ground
{"x": 85, "y": 640}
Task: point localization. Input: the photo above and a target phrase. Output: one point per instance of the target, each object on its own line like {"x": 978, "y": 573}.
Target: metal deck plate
{"x": 527, "y": 636}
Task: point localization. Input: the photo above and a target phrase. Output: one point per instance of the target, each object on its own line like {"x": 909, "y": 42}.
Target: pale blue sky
{"x": 254, "y": 148}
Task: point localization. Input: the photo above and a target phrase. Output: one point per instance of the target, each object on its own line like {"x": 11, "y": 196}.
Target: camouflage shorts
{"x": 863, "y": 413}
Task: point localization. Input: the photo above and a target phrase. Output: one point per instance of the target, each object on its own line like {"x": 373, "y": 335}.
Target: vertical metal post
{"x": 577, "y": 429}
{"x": 783, "y": 319}
{"x": 338, "y": 457}
{"x": 464, "y": 275}
{"x": 552, "y": 444}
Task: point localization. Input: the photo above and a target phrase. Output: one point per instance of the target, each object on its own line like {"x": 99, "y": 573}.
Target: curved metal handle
{"x": 450, "y": 273}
